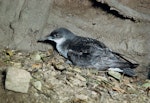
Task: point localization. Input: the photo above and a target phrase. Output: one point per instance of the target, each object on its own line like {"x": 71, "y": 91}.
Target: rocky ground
{"x": 52, "y": 80}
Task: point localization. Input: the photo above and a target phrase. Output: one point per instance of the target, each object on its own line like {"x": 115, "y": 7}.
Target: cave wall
{"x": 22, "y": 22}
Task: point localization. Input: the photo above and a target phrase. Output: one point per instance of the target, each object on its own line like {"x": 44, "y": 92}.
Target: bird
{"x": 88, "y": 52}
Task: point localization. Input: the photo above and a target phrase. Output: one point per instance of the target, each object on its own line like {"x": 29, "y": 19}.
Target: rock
{"x": 37, "y": 85}
{"x": 35, "y": 56}
{"x": 59, "y": 66}
{"x": 80, "y": 77}
{"x": 17, "y": 64}
{"x": 81, "y": 96}
{"x": 146, "y": 84}
{"x": 114, "y": 74}
{"x": 17, "y": 80}
{"x": 132, "y": 90}
{"x": 100, "y": 78}
{"x": 9, "y": 52}
{"x": 9, "y": 10}
{"x": 76, "y": 82}
{"x": 76, "y": 69}
{"x": 28, "y": 21}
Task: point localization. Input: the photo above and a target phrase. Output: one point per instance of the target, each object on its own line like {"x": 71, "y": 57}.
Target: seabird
{"x": 89, "y": 53}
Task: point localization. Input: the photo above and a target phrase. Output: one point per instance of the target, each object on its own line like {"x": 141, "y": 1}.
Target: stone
{"x": 37, "y": 85}
{"x": 146, "y": 84}
{"x": 80, "y": 77}
{"x": 17, "y": 80}
{"x": 77, "y": 82}
{"x": 114, "y": 74}
{"x": 35, "y": 56}
{"x": 81, "y": 96}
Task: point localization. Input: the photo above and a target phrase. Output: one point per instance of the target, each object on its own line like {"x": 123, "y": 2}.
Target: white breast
{"x": 61, "y": 51}
{"x": 59, "y": 43}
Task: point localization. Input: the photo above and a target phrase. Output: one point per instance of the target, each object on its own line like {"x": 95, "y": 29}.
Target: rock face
{"x": 25, "y": 19}
{"x": 17, "y": 80}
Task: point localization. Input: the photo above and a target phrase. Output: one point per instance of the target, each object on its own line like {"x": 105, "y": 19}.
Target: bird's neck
{"x": 62, "y": 48}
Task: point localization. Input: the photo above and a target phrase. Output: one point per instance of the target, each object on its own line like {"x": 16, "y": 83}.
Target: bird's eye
{"x": 55, "y": 35}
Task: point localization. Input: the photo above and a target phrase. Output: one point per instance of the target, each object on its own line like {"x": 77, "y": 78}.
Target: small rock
{"x": 50, "y": 51}
{"x": 80, "y": 77}
{"x": 77, "y": 82}
{"x": 76, "y": 69}
{"x": 146, "y": 84}
{"x": 17, "y": 64}
{"x": 100, "y": 78}
{"x": 36, "y": 66}
{"x": 17, "y": 80}
{"x": 37, "y": 85}
{"x": 59, "y": 66}
{"x": 81, "y": 96}
{"x": 114, "y": 74}
{"x": 35, "y": 56}
{"x": 132, "y": 90}
{"x": 36, "y": 94}
{"x": 9, "y": 52}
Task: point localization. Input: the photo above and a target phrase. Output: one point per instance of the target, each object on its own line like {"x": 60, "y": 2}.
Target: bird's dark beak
{"x": 45, "y": 39}
{"x": 42, "y": 39}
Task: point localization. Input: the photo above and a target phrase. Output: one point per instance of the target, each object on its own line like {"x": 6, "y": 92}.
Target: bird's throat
{"x": 61, "y": 50}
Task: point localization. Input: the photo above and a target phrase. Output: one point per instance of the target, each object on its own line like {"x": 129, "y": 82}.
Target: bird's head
{"x": 59, "y": 36}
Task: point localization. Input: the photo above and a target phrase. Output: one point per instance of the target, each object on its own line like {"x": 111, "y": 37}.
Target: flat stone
{"x": 38, "y": 85}
{"x": 114, "y": 74}
{"x": 17, "y": 80}
{"x": 35, "y": 56}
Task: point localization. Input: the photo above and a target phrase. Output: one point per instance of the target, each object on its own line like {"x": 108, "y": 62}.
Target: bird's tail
{"x": 126, "y": 65}
{"x": 129, "y": 72}
{"x": 126, "y": 62}
{"x": 123, "y": 65}
{"x": 133, "y": 65}
{"x": 127, "y": 68}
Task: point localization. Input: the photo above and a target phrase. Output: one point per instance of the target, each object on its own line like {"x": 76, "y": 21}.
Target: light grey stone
{"x": 37, "y": 85}
{"x": 114, "y": 74}
{"x": 17, "y": 80}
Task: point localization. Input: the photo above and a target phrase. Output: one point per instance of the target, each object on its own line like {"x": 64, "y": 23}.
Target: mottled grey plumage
{"x": 88, "y": 52}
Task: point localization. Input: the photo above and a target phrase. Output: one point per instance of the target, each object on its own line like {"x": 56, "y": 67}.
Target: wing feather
{"x": 85, "y": 49}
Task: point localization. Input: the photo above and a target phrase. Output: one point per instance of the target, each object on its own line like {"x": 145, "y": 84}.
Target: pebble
{"x": 114, "y": 74}
{"x": 35, "y": 56}
{"x": 17, "y": 80}
{"x": 80, "y": 77}
{"x": 37, "y": 85}
{"x": 81, "y": 96}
